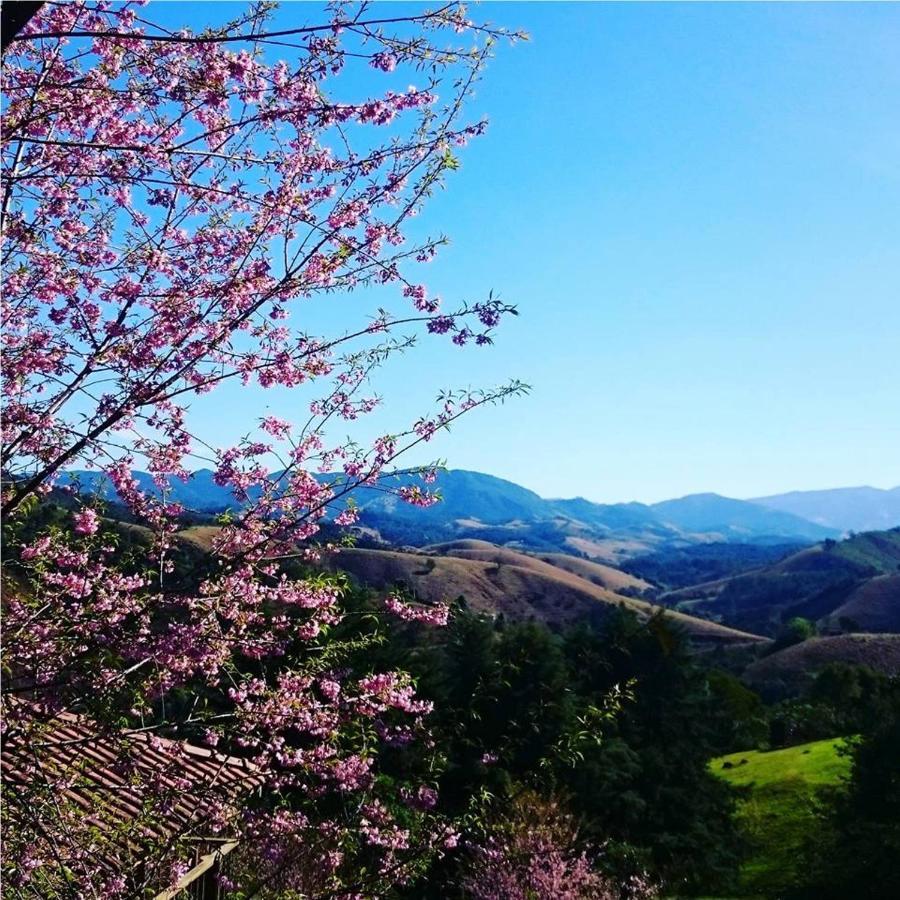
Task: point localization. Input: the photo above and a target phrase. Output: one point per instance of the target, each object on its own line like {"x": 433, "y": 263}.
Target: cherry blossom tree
{"x": 532, "y": 851}
{"x": 172, "y": 203}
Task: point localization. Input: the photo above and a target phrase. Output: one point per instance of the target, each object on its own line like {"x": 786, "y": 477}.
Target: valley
{"x": 850, "y": 585}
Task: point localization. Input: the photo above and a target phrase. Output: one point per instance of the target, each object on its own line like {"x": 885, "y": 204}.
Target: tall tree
{"x": 857, "y": 850}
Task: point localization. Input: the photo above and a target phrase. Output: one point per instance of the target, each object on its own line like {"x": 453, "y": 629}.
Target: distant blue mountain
{"x": 737, "y": 519}
{"x": 847, "y": 509}
{"x": 613, "y": 516}
{"x": 474, "y": 502}
{"x": 199, "y": 492}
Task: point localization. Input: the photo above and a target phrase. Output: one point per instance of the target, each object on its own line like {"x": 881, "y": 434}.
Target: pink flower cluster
{"x": 533, "y": 853}
{"x": 430, "y": 615}
{"x": 86, "y": 522}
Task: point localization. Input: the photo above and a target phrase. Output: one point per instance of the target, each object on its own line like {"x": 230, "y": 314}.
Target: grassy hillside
{"x": 812, "y": 764}
{"x": 816, "y": 583}
{"x": 201, "y": 536}
{"x": 555, "y": 589}
{"x": 603, "y": 575}
{"x": 608, "y": 550}
{"x": 598, "y": 573}
{"x": 777, "y": 808}
{"x": 499, "y": 580}
{"x": 795, "y": 666}
{"x": 874, "y": 605}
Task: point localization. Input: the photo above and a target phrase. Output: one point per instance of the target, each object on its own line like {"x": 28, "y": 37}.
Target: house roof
{"x": 107, "y": 775}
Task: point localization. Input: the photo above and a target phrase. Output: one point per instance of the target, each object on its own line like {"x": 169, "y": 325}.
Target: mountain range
{"x": 479, "y": 506}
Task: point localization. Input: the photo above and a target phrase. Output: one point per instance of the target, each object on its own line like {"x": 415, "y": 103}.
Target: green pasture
{"x": 777, "y": 808}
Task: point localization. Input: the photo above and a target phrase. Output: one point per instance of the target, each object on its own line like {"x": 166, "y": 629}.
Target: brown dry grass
{"x": 609, "y": 551}
{"x": 201, "y": 536}
{"x": 793, "y": 664}
{"x": 874, "y": 606}
{"x": 504, "y": 581}
{"x": 555, "y": 589}
{"x": 598, "y": 573}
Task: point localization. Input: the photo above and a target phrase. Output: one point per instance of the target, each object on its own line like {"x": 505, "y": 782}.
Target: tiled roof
{"x": 104, "y": 775}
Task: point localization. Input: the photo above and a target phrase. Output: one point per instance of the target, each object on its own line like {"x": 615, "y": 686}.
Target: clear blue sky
{"x": 697, "y": 209}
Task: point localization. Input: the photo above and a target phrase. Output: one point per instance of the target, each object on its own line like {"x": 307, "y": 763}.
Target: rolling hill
{"x": 602, "y": 575}
{"x": 598, "y": 573}
{"x": 796, "y": 666}
{"x": 498, "y": 580}
{"x": 555, "y": 589}
{"x": 873, "y": 606}
{"x": 851, "y": 585}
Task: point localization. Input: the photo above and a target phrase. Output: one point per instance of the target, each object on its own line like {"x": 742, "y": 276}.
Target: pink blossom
{"x": 414, "y": 495}
{"x": 385, "y": 61}
{"x": 348, "y": 516}
{"x": 36, "y": 549}
{"x": 431, "y": 615}
{"x": 276, "y": 427}
{"x": 86, "y": 522}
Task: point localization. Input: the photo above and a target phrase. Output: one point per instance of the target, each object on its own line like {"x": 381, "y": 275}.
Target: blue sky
{"x": 697, "y": 210}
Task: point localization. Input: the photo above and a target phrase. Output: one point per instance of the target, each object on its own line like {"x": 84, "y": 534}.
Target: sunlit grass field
{"x": 777, "y": 810}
